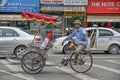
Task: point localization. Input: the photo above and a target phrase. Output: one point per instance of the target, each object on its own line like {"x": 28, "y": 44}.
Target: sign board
{"x": 103, "y": 6}
{"x": 95, "y": 18}
{"x": 19, "y": 5}
{"x": 74, "y": 14}
{"x": 52, "y": 2}
{"x": 75, "y": 2}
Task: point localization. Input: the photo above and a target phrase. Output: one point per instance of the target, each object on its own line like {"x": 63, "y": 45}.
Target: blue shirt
{"x": 80, "y": 36}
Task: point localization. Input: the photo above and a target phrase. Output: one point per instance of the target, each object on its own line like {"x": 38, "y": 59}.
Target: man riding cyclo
{"x": 81, "y": 39}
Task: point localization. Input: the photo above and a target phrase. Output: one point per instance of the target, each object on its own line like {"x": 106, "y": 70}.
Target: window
{"x": 22, "y": 24}
{"x": 68, "y": 21}
{"x": 105, "y": 33}
{"x": 91, "y": 32}
{"x": 9, "y": 33}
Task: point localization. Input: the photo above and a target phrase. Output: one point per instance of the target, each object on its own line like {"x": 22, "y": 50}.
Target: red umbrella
{"x": 39, "y": 17}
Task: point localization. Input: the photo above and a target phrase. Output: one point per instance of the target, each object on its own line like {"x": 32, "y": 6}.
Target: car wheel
{"x": 106, "y": 51}
{"x": 19, "y": 51}
{"x": 114, "y": 49}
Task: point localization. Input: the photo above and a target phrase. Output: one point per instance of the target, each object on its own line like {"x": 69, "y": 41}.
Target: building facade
{"x": 10, "y": 12}
{"x": 104, "y": 13}
{"x": 54, "y": 8}
{"x": 74, "y": 9}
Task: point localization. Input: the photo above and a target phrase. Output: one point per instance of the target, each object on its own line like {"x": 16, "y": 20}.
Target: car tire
{"x": 106, "y": 51}
{"x": 19, "y": 51}
{"x": 114, "y": 49}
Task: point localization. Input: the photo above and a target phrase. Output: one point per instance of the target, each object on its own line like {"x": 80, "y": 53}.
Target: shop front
{"x": 54, "y": 8}
{"x": 14, "y": 21}
{"x": 71, "y": 15}
{"x": 10, "y": 12}
{"x": 104, "y": 13}
{"x": 74, "y": 9}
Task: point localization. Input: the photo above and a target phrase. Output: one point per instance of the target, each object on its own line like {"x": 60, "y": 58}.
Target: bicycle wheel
{"x": 84, "y": 62}
{"x": 32, "y": 62}
{"x": 68, "y": 51}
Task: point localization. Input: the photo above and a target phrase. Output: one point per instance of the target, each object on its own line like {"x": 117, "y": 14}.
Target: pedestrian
{"x": 81, "y": 39}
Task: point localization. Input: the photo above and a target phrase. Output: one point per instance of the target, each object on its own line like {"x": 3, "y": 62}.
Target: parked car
{"x": 15, "y": 40}
{"x": 107, "y": 40}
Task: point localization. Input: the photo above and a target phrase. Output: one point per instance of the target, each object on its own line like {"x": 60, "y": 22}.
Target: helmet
{"x": 77, "y": 22}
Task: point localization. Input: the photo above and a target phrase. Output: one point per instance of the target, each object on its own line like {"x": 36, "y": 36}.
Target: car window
{"x": 89, "y": 32}
{"x": 0, "y": 32}
{"x": 9, "y": 33}
{"x": 105, "y": 33}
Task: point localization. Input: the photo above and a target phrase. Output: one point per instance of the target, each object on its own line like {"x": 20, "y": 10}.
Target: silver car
{"x": 14, "y": 40}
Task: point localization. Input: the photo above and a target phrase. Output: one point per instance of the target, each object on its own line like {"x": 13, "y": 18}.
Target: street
{"x": 27, "y": 25}
{"x": 105, "y": 67}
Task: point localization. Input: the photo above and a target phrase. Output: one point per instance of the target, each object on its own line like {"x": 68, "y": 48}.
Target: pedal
{"x": 64, "y": 62}
{"x": 60, "y": 65}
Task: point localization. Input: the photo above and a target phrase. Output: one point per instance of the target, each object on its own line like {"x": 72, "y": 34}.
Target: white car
{"x": 14, "y": 40}
{"x": 107, "y": 40}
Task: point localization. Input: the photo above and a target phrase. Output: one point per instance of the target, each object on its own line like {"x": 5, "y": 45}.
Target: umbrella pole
{"x": 42, "y": 29}
{"x": 39, "y": 29}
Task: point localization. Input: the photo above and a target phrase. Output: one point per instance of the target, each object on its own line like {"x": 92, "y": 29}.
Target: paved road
{"x": 105, "y": 67}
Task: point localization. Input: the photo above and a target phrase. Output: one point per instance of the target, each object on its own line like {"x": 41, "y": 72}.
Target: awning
{"x": 114, "y": 18}
{"x": 52, "y": 8}
{"x": 74, "y": 9}
{"x": 39, "y": 17}
{"x": 11, "y": 17}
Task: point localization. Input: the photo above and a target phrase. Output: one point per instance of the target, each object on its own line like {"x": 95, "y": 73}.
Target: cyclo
{"x": 34, "y": 58}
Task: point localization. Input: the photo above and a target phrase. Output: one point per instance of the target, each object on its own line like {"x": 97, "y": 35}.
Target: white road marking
{"x": 15, "y": 68}
{"x": 11, "y": 74}
{"x": 113, "y": 57}
{"x": 107, "y": 68}
{"x": 73, "y": 73}
{"x": 94, "y": 65}
{"x": 101, "y": 57}
{"x": 113, "y": 61}
{"x": 78, "y": 75}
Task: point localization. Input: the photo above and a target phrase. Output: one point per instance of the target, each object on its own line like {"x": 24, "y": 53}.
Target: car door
{"x": 8, "y": 40}
{"x": 103, "y": 39}
{"x": 92, "y": 34}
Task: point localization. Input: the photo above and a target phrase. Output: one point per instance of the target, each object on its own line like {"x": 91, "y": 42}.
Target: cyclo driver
{"x": 81, "y": 39}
